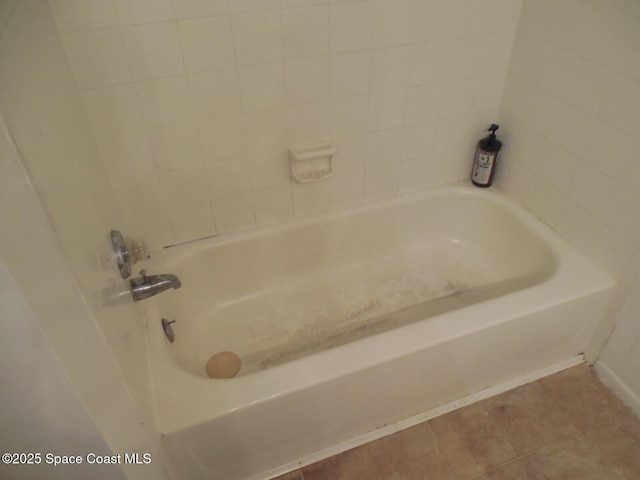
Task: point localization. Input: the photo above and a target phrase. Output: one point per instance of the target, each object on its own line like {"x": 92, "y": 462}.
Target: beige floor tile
{"x": 531, "y": 418}
{"x": 473, "y": 440}
{"x": 618, "y": 444}
{"x": 517, "y": 470}
{"x": 354, "y": 464}
{"x": 572, "y": 459}
{"x": 584, "y": 399}
{"x": 411, "y": 454}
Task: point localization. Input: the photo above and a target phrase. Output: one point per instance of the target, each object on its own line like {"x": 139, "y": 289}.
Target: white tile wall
{"x": 200, "y": 8}
{"x": 195, "y": 102}
{"x": 76, "y": 15}
{"x": 97, "y": 57}
{"x": 207, "y": 43}
{"x": 571, "y": 116}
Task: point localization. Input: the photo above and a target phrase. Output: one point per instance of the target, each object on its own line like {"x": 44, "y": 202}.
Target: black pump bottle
{"x": 484, "y": 166}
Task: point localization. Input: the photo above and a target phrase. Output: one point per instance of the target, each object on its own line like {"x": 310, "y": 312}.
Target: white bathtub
{"x": 351, "y": 321}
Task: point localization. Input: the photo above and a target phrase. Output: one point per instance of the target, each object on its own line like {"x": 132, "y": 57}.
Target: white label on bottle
{"x": 483, "y": 167}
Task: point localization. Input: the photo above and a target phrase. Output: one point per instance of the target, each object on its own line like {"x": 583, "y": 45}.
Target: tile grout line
{"x": 497, "y": 467}
{"x": 518, "y": 457}
{"x": 521, "y": 456}
{"x": 529, "y": 466}
{"x": 579, "y": 433}
{"x": 443, "y": 451}
{"x": 371, "y": 459}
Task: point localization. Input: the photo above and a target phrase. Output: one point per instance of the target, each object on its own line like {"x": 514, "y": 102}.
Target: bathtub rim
{"x": 173, "y": 254}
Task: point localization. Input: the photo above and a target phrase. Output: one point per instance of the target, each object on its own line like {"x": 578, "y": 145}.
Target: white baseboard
{"x": 618, "y": 386}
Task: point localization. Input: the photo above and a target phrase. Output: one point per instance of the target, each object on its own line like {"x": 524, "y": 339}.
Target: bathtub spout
{"x": 147, "y": 286}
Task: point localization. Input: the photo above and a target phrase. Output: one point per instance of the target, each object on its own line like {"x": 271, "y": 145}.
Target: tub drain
{"x": 223, "y": 365}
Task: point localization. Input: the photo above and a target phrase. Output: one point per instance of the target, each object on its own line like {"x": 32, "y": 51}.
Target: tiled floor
{"x": 564, "y": 427}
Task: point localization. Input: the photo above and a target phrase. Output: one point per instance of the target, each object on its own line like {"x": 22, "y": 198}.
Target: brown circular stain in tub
{"x": 223, "y": 365}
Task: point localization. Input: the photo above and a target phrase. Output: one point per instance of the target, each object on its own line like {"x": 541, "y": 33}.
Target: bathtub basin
{"x": 349, "y": 321}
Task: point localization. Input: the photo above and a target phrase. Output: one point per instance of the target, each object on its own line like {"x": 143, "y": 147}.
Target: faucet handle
{"x": 143, "y": 274}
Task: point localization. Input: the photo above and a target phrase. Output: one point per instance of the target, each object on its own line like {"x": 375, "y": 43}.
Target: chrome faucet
{"x": 147, "y": 286}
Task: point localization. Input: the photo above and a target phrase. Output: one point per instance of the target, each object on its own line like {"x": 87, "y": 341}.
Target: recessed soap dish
{"x": 311, "y": 163}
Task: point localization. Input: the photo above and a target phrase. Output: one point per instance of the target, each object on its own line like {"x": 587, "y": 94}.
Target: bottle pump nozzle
{"x": 492, "y": 137}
